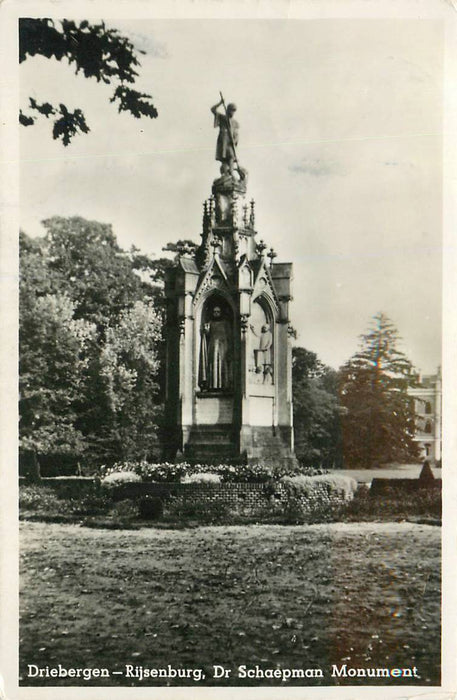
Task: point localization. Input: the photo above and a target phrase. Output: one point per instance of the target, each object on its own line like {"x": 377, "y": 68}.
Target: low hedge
{"x": 394, "y": 504}
{"x": 333, "y": 484}
{"x": 291, "y": 500}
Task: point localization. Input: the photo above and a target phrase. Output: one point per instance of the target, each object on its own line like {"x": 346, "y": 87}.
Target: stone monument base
{"x": 211, "y": 444}
{"x": 268, "y": 445}
{"x": 221, "y": 444}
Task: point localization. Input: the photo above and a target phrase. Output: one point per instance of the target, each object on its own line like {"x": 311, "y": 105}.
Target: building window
{"x": 428, "y": 427}
{"x": 427, "y": 450}
{"x": 428, "y": 407}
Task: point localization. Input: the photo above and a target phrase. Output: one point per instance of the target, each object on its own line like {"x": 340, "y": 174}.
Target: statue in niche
{"x": 262, "y": 354}
{"x": 215, "y": 353}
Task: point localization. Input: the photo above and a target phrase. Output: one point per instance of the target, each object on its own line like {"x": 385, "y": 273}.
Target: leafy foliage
{"x": 333, "y": 484}
{"x": 89, "y": 339}
{"x": 128, "y": 368}
{"x": 52, "y": 363}
{"x": 316, "y": 410}
{"x": 86, "y": 262}
{"x": 41, "y": 499}
{"x": 69, "y": 124}
{"x": 378, "y": 423}
{"x": 394, "y": 504}
{"x": 181, "y": 247}
{"x": 158, "y": 267}
{"x": 95, "y": 51}
{"x": 315, "y": 499}
{"x": 132, "y": 101}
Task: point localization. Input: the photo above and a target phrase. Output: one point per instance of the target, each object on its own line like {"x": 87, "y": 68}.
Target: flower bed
{"x": 183, "y": 471}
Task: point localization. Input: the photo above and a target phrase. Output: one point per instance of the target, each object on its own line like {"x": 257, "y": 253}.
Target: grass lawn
{"x": 362, "y": 594}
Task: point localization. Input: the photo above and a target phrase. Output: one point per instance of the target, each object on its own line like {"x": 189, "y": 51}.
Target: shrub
{"x": 92, "y": 503}
{"x": 393, "y": 504}
{"x": 332, "y": 484}
{"x": 114, "y": 479}
{"x": 315, "y": 499}
{"x": 307, "y": 470}
{"x": 44, "y": 501}
{"x": 41, "y": 499}
{"x": 201, "y": 478}
{"x": 296, "y": 511}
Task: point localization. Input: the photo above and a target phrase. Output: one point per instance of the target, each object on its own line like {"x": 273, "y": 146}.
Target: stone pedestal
{"x": 229, "y": 363}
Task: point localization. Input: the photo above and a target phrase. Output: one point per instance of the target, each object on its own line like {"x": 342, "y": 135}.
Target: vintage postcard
{"x": 228, "y": 263}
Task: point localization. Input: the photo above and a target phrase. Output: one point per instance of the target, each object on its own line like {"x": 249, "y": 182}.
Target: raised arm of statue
{"x": 214, "y": 107}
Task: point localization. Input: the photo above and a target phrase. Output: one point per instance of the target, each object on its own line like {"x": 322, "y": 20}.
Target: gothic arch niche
{"x": 216, "y": 347}
{"x": 261, "y": 343}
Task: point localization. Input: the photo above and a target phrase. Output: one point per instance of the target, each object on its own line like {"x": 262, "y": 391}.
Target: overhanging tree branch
{"x": 92, "y": 49}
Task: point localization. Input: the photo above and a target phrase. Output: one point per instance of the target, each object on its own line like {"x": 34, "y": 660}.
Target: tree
{"x": 92, "y": 357}
{"x": 157, "y": 267}
{"x": 316, "y": 410}
{"x": 155, "y": 270}
{"x": 378, "y": 423}
{"x": 86, "y": 262}
{"x": 35, "y": 278}
{"x": 94, "y": 50}
{"x": 129, "y": 365}
{"x": 126, "y": 387}
{"x": 52, "y": 362}
{"x": 90, "y": 345}
{"x": 52, "y": 358}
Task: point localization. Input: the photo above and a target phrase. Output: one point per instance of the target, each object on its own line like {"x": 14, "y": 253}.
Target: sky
{"x": 341, "y": 134}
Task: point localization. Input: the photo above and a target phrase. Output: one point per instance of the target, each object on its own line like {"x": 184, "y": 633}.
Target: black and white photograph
{"x": 228, "y": 366}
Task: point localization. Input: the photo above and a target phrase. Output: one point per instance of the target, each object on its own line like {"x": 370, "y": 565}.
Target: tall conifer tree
{"x": 378, "y": 419}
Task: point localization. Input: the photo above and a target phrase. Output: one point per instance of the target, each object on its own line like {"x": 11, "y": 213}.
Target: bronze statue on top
{"x": 227, "y": 141}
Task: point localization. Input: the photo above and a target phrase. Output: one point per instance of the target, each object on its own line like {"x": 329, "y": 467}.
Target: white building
{"x": 427, "y": 407}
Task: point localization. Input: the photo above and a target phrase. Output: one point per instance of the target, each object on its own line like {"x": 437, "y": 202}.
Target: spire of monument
{"x": 227, "y": 215}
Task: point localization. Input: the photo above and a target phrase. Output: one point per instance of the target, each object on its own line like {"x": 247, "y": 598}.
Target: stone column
{"x": 186, "y": 374}
{"x": 245, "y": 428}
{"x": 284, "y": 383}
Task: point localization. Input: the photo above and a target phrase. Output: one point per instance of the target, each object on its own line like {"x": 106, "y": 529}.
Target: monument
{"x": 229, "y": 361}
